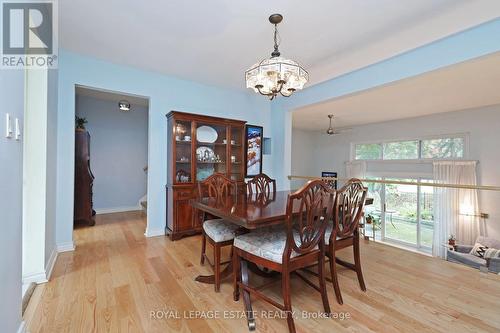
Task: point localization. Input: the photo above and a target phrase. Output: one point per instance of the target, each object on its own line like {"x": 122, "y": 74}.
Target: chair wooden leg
{"x": 217, "y": 266}
{"x": 203, "y": 247}
{"x": 322, "y": 284}
{"x": 287, "y": 297}
{"x": 246, "y": 296}
{"x": 357, "y": 263}
{"x": 333, "y": 270}
{"x": 236, "y": 275}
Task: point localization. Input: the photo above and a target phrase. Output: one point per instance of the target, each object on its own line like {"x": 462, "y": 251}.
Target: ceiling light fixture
{"x": 276, "y": 75}
{"x": 124, "y": 105}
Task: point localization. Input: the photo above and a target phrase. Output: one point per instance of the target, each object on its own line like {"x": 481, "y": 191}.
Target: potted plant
{"x": 452, "y": 240}
{"x": 80, "y": 123}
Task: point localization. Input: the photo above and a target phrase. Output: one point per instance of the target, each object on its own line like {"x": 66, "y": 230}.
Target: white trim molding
{"x": 50, "y": 264}
{"x": 154, "y": 232}
{"x": 44, "y": 276}
{"x": 118, "y": 209}
{"x": 22, "y": 327}
{"x": 65, "y": 247}
{"x": 40, "y": 277}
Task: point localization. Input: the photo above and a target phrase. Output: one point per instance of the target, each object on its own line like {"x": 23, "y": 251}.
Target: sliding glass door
{"x": 401, "y": 211}
{"x": 403, "y": 214}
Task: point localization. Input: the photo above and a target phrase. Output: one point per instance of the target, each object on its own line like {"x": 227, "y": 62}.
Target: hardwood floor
{"x": 116, "y": 277}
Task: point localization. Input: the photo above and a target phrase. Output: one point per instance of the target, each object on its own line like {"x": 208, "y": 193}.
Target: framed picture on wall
{"x": 332, "y": 183}
{"x": 254, "y": 136}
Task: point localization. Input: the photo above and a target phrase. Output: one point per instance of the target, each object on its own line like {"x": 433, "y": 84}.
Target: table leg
{"x": 210, "y": 279}
{"x": 263, "y": 273}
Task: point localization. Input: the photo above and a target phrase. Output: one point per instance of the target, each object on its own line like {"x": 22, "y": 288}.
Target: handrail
{"x": 398, "y": 182}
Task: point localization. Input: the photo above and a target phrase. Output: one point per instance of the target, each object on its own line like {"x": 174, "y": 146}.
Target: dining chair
{"x": 344, "y": 231}
{"x": 217, "y": 232}
{"x": 261, "y": 184}
{"x": 286, "y": 248}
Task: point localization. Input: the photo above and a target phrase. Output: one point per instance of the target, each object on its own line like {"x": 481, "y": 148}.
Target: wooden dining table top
{"x": 248, "y": 211}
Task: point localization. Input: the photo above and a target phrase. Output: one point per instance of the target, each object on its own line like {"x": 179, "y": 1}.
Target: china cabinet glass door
{"x": 235, "y": 148}
{"x": 211, "y": 149}
{"x": 183, "y": 142}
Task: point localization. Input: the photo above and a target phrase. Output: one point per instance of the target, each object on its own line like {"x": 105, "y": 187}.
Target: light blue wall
{"x": 51, "y": 202}
{"x": 119, "y": 151}
{"x": 165, "y": 93}
{"x": 472, "y": 43}
{"x": 11, "y": 180}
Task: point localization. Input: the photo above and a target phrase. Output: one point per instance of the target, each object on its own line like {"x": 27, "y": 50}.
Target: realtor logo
{"x": 29, "y": 34}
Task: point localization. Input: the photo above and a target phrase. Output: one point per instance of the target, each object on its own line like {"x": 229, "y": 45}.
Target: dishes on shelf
{"x": 205, "y": 154}
{"x": 182, "y": 176}
{"x": 206, "y": 134}
{"x": 204, "y": 171}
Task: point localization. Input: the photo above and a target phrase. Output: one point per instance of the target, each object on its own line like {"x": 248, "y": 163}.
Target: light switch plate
{"x": 17, "y": 133}
{"x": 8, "y": 126}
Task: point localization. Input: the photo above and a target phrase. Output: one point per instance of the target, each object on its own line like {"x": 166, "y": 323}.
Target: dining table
{"x": 250, "y": 212}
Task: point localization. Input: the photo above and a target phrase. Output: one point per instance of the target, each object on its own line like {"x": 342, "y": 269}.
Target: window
{"x": 370, "y": 151}
{"x": 402, "y": 150}
{"x": 443, "y": 148}
{"x": 436, "y": 148}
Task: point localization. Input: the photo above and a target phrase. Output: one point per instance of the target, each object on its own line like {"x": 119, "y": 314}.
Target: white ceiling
{"x": 114, "y": 96}
{"x": 215, "y": 41}
{"x": 463, "y": 86}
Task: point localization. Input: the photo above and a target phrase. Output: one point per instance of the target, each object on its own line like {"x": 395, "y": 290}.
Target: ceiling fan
{"x": 331, "y": 130}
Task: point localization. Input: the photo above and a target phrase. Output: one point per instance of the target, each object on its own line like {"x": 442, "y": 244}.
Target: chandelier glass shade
{"x": 276, "y": 75}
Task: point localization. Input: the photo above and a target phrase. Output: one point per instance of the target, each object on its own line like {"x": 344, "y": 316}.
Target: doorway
{"x": 111, "y": 153}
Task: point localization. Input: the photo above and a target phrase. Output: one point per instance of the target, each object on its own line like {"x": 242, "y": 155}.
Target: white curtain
{"x": 355, "y": 169}
{"x": 455, "y": 210}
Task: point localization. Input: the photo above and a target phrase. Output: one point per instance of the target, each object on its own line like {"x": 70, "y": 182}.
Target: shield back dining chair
{"x": 299, "y": 243}
{"x": 261, "y": 185}
{"x": 218, "y": 232}
{"x": 344, "y": 231}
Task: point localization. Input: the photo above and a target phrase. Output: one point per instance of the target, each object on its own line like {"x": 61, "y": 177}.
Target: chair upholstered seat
{"x": 220, "y": 230}
{"x": 268, "y": 243}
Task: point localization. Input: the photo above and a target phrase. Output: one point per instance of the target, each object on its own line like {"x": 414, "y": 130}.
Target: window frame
{"x": 464, "y": 136}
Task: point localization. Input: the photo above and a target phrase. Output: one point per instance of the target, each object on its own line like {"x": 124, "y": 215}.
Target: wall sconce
{"x": 124, "y": 105}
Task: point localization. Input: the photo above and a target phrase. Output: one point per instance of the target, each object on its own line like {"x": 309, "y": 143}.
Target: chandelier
{"x": 276, "y": 75}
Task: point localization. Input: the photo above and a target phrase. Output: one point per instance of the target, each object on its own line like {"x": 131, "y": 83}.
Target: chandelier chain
{"x": 276, "y": 52}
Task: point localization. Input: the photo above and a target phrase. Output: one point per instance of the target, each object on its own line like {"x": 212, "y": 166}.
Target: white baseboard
{"x": 42, "y": 277}
{"x": 65, "y": 247}
{"x": 22, "y": 327}
{"x": 154, "y": 232}
{"x": 117, "y": 209}
{"x": 51, "y": 263}
{"x": 37, "y": 278}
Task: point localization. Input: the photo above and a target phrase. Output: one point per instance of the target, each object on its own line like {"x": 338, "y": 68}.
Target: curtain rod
{"x": 397, "y": 182}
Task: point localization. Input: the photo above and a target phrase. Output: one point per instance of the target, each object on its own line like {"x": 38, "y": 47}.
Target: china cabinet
{"x": 198, "y": 146}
